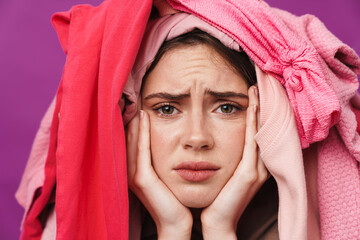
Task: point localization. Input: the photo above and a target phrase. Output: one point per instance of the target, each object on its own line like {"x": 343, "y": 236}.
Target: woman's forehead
{"x": 196, "y": 67}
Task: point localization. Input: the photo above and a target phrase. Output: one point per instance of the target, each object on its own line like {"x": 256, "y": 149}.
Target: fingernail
{"x": 255, "y": 108}
{"x": 141, "y": 114}
{"x": 256, "y": 91}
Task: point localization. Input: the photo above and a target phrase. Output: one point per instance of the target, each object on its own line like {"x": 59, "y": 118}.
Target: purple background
{"x": 31, "y": 63}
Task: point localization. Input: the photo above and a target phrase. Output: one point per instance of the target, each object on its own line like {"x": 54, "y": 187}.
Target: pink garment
{"x": 339, "y": 153}
{"x": 280, "y": 149}
{"x": 34, "y": 174}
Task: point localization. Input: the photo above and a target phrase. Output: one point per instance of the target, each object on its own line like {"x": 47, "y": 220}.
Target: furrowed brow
{"x": 168, "y": 96}
{"x": 227, "y": 94}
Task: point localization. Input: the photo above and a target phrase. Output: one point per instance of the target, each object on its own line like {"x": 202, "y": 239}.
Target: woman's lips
{"x": 196, "y": 171}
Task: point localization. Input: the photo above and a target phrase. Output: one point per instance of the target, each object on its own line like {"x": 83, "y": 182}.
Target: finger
{"x": 264, "y": 174}
{"x": 143, "y": 150}
{"x": 131, "y": 146}
{"x": 262, "y": 170}
{"x": 249, "y": 158}
{"x": 148, "y": 187}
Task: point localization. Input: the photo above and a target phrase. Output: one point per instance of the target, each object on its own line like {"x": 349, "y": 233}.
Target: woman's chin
{"x": 196, "y": 199}
{"x": 196, "y": 203}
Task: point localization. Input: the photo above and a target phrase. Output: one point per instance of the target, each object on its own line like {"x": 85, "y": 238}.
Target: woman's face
{"x": 197, "y": 107}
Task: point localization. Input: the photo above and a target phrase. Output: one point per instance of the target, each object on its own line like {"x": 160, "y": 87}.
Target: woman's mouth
{"x": 196, "y": 171}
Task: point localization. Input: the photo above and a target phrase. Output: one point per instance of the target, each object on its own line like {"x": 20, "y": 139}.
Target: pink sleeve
{"x": 34, "y": 174}
{"x": 280, "y": 149}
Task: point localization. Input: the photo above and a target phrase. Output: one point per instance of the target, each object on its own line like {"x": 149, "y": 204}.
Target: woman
{"x": 86, "y": 157}
{"x": 199, "y": 107}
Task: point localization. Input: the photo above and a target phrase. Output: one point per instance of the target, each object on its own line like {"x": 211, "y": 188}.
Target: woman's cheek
{"x": 163, "y": 143}
{"x": 231, "y": 141}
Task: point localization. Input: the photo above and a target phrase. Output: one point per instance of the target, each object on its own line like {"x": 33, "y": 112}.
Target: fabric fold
{"x": 34, "y": 174}
{"x": 280, "y": 149}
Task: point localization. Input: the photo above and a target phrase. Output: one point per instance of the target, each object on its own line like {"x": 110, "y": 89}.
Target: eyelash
{"x": 235, "y": 107}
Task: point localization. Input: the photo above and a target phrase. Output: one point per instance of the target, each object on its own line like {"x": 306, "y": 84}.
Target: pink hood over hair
{"x": 306, "y": 78}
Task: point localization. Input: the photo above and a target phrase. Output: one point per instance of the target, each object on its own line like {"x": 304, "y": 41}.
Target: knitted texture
{"x": 339, "y": 153}
{"x": 278, "y": 129}
{"x": 338, "y": 188}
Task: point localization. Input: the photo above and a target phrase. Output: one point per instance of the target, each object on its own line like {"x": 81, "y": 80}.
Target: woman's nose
{"x": 197, "y": 135}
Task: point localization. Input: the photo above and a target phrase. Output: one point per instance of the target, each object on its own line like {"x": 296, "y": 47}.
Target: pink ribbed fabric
{"x": 278, "y": 129}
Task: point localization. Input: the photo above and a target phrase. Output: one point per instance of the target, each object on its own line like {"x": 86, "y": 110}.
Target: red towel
{"x": 91, "y": 187}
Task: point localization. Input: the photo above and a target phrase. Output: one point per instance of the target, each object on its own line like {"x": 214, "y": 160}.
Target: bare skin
{"x": 204, "y": 125}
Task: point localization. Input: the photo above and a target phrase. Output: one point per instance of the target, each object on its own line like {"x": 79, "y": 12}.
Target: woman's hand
{"x": 173, "y": 220}
{"x": 219, "y": 220}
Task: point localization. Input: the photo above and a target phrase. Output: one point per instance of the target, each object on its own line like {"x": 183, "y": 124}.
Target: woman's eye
{"x": 226, "y": 108}
{"x": 167, "y": 110}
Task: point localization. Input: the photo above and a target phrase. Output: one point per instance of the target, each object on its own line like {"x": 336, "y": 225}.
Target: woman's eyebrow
{"x": 227, "y": 94}
{"x": 169, "y": 96}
